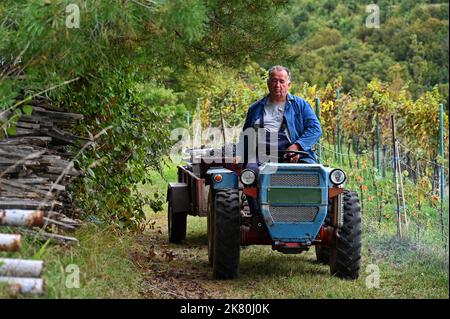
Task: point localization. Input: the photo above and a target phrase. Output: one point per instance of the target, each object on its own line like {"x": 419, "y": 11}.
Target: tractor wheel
{"x": 210, "y": 223}
{"x": 226, "y": 234}
{"x": 176, "y": 225}
{"x": 345, "y": 257}
{"x": 323, "y": 254}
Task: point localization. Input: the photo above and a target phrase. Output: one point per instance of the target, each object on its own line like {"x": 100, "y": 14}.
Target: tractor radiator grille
{"x": 293, "y": 214}
{"x": 294, "y": 180}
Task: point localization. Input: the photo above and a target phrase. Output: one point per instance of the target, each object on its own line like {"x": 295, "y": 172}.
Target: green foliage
{"x": 330, "y": 40}
{"x": 417, "y": 120}
{"x": 165, "y": 102}
{"x": 128, "y": 58}
{"x": 140, "y": 66}
{"x": 133, "y": 143}
{"x": 223, "y": 92}
{"x": 189, "y": 17}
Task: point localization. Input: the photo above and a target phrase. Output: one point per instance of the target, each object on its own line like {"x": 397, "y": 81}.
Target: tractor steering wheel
{"x": 294, "y": 153}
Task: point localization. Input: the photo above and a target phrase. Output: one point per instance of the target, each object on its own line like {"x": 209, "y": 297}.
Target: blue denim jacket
{"x": 303, "y": 125}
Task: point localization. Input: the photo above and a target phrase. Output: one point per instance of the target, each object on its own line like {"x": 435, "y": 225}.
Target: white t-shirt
{"x": 273, "y": 117}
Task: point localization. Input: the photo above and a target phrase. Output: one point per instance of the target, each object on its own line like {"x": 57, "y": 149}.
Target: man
{"x": 290, "y": 118}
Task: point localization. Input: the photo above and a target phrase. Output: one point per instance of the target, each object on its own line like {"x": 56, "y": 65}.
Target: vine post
{"x": 339, "y": 127}
{"x": 378, "y": 142}
{"x": 318, "y": 117}
{"x": 395, "y": 159}
{"x": 441, "y": 169}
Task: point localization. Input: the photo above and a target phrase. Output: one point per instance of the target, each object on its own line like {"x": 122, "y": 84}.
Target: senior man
{"x": 288, "y": 121}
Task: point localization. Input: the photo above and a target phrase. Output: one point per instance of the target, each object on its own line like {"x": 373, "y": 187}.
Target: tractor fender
{"x": 178, "y": 197}
{"x": 228, "y": 180}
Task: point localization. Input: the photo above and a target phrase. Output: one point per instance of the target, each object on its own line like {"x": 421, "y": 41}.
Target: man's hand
{"x": 294, "y": 147}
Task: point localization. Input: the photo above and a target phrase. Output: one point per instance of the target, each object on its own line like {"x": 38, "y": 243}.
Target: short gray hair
{"x": 279, "y": 68}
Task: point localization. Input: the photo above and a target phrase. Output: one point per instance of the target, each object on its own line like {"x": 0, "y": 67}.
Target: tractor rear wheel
{"x": 176, "y": 225}
{"x": 345, "y": 257}
{"x": 323, "y": 254}
{"x": 226, "y": 234}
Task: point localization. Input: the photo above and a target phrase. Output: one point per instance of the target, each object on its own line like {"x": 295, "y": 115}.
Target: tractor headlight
{"x": 337, "y": 176}
{"x": 248, "y": 177}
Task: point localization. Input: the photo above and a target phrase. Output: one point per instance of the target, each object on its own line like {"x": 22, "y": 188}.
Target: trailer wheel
{"x": 176, "y": 225}
{"x": 226, "y": 234}
{"x": 345, "y": 257}
{"x": 323, "y": 254}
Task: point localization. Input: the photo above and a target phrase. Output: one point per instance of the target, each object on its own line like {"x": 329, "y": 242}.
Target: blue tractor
{"x": 298, "y": 206}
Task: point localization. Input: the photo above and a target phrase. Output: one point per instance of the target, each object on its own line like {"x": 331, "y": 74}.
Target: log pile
{"x": 36, "y": 167}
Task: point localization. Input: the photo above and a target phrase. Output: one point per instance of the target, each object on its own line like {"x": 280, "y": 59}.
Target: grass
{"x": 102, "y": 258}
{"x": 404, "y": 272}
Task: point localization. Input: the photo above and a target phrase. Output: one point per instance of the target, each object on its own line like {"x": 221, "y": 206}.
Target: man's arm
{"x": 248, "y": 119}
{"x": 312, "y": 129}
{"x": 240, "y": 149}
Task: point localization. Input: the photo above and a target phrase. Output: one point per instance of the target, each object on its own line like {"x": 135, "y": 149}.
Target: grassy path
{"x": 182, "y": 271}
{"x": 115, "y": 264}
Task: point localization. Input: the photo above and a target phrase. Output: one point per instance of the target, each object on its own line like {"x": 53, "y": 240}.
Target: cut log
{"x": 27, "y": 132}
{"x": 59, "y": 224}
{"x": 22, "y": 151}
{"x": 33, "y": 140}
{"x": 57, "y": 187}
{"x": 66, "y": 240}
{"x": 62, "y": 136}
{"x": 21, "y": 268}
{"x": 57, "y": 115}
{"x": 5, "y": 192}
{"x": 10, "y": 162}
{"x": 17, "y": 203}
{"x": 27, "y": 125}
{"x": 62, "y": 218}
{"x": 69, "y": 171}
{"x": 32, "y": 180}
{"x": 10, "y": 242}
{"x": 25, "y": 285}
{"x": 6, "y": 184}
{"x": 19, "y": 217}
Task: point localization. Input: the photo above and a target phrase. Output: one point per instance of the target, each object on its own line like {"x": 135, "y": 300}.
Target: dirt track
{"x": 174, "y": 271}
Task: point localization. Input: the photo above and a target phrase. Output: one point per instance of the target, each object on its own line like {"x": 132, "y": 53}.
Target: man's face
{"x": 279, "y": 84}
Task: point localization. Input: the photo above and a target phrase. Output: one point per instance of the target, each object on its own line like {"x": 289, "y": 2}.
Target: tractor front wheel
{"x": 345, "y": 257}
{"x": 226, "y": 234}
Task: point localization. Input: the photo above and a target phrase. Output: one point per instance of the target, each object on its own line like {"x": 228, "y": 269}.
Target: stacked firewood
{"x": 22, "y": 276}
{"x": 36, "y": 166}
